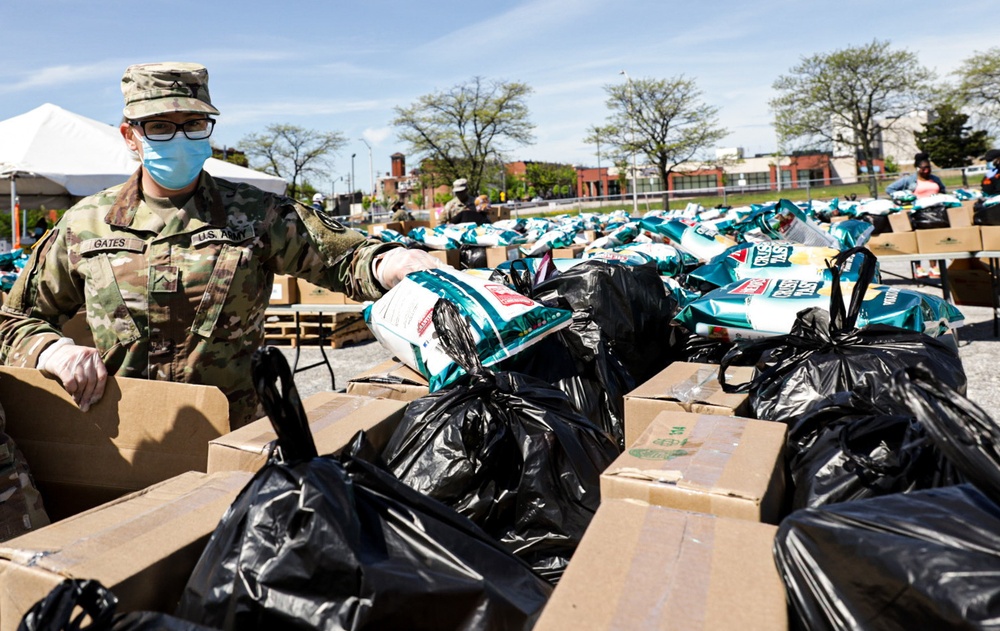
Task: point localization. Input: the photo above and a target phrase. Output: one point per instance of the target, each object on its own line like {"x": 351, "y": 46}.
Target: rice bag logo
{"x": 768, "y": 255}
{"x": 705, "y": 231}
{"x": 425, "y": 322}
{"x": 752, "y": 287}
{"x": 796, "y": 289}
{"x": 741, "y": 256}
{"x": 507, "y": 296}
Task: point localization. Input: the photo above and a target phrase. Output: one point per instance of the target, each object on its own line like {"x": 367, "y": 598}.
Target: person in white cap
{"x": 318, "y": 200}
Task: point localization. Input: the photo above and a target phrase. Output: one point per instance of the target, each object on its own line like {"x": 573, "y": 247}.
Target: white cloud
{"x": 61, "y": 76}
{"x": 376, "y": 136}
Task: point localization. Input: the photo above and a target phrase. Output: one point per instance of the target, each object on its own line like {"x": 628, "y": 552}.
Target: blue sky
{"x": 345, "y": 65}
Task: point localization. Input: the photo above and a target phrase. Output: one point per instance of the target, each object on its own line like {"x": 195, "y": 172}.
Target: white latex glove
{"x": 80, "y": 369}
{"x": 392, "y": 266}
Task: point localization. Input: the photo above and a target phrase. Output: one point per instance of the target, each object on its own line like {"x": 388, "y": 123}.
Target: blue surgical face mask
{"x": 175, "y": 163}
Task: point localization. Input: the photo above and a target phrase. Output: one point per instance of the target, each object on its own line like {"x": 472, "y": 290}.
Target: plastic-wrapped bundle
{"x": 559, "y": 238}
{"x": 488, "y": 236}
{"x": 318, "y": 542}
{"x": 666, "y": 258}
{"x": 392, "y": 236}
{"x": 503, "y": 321}
{"x": 825, "y": 354}
{"x": 433, "y": 239}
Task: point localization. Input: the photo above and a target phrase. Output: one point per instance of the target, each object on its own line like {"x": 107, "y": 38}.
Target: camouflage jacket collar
{"x": 127, "y": 211}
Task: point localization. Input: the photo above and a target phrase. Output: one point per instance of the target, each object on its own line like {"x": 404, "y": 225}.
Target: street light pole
{"x": 371, "y": 171}
{"x": 354, "y": 183}
{"x": 631, "y": 121}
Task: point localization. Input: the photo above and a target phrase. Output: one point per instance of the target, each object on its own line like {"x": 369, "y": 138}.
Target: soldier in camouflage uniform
{"x": 459, "y": 203}
{"x": 174, "y": 267}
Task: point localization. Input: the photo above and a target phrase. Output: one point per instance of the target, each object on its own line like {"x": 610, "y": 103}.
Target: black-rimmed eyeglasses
{"x": 161, "y": 130}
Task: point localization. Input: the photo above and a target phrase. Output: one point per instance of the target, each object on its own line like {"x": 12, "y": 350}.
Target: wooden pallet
{"x": 342, "y": 329}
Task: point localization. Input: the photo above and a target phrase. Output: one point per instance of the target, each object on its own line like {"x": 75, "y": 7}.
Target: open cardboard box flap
{"x": 140, "y": 433}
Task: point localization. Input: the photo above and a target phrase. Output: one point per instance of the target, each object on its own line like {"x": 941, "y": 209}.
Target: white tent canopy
{"x": 54, "y": 157}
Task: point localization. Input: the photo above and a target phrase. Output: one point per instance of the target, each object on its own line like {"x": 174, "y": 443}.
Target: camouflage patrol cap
{"x": 162, "y": 88}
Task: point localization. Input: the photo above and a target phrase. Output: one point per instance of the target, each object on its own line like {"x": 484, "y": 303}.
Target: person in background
{"x": 923, "y": 183}
{"x": 317, "y": 204}
{"x": 478, "y": 214}
{"x": 991, "y": 181}
{"x": 174, "y": 267}
{"x": 459, "y": 203}
{"x": 399, "y": 211}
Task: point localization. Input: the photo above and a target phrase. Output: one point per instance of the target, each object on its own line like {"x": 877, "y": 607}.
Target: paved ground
{"x": 977, "y": 347}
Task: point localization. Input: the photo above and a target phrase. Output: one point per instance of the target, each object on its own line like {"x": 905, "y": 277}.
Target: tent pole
{"x": 13, "y": 208}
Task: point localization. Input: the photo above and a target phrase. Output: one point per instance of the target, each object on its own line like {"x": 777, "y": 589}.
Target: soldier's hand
{"x": 392, "y": 266}
{"x": 81, "y": 372}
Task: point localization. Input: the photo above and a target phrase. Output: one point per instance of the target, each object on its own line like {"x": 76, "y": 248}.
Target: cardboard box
{"x": 373, "y": 229}
{"x": 333, "y": 423}
{"x": 949, "y": 240}
{"x": 410, "y": 225}
{"x": 310, "y": 294}
{"x": 496, "y": 213}
{"x": 889, "y": 243}
{"x": 900, "y": 222}
{"x": 960, "y": 216}
{"x": 142, "y": 547}
{"x": 449, "y": 257}
{"x": 991, "y": 237}
{"x": 648, "y": 567}
{"x": 140, "y": 433}
{"x": 389, "y": 380}
{"x": 684, "y": 387}
{"x": 572, "y": 252}
{"x": 970, "y": 283}
{"x": 723, "y": 465}
{"x": 284, "y": 291}
{"x": 496, "y": 256}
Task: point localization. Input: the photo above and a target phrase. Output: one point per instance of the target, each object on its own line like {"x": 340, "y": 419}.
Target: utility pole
{"x": 371, "y": 171}
{"x": 631, "y": 121}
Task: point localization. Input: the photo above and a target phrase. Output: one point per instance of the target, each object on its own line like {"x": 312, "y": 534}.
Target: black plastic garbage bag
{"x": 985, "y": 215}
{"x": 472, "y": 256}
{"x": 628, "y": 304}
{"x": 880, "y": 223}
{"x": 923, "y": 560}
{"x": 579, "y": 362}
{"x": 326, "y": 543}
{"x": 849, "y": 449}
{"x": 506, "y": 450}
{"x": 825, "y": 354}
{"x": 935, "y": 216}
{"x": 86, "y": 604}
{"x": 963, "y": 431}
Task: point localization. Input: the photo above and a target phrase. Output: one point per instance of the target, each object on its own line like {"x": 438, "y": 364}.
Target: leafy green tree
{"x": 548, "y": 178}
{"x": 890, "y": 165}
{"x": 979, "y": 85}
{"x": 843, "y": 97}
{"x": 949, "y": 139}
{"x": 664, "y": 120}
{"x": 291, "y": 152}
{"x": 460, "y": 127}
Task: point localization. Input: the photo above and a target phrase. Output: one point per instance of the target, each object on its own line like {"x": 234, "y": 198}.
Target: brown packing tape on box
{"x": 389, "y": 380}
{"x": 648, "y": 567}
{"x": 142, "y": 547}
{"x": 333, "y": 424}
{"x": 723, "y": 465}
{"x": 141, "y": 432}
{"x": 686, "y": 387}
